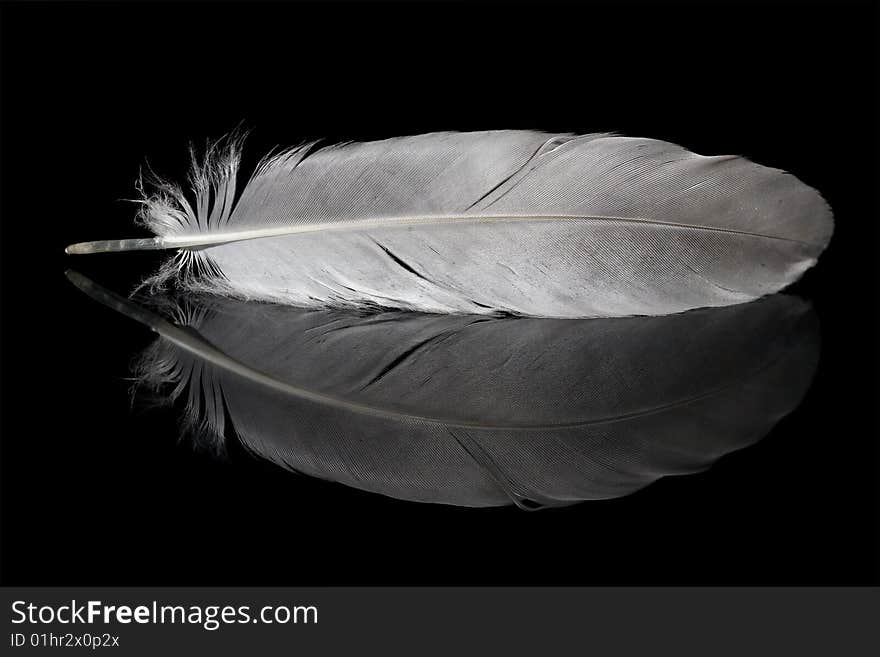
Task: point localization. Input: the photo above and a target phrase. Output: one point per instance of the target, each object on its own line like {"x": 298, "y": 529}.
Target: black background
{"x": 95, "y": 493}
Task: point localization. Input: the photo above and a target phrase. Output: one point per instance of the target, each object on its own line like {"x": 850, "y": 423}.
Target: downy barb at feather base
{"x": 516, "y": 222}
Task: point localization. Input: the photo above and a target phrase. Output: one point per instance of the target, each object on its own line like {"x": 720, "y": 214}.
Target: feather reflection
{"x": 478, "y": 411}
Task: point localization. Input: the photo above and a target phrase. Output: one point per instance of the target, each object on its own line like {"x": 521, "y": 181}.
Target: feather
{"x": 515, "y": 222}
{"x": 478, "y": 411}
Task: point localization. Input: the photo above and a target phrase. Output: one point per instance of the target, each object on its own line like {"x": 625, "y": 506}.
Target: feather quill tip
{"x": 111, "y": 246}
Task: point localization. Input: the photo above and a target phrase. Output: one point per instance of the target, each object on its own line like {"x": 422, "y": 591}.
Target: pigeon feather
{"x": 515, "y": 222}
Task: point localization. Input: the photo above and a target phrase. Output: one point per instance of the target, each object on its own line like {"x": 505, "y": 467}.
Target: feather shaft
{"x": 214, "y": 239}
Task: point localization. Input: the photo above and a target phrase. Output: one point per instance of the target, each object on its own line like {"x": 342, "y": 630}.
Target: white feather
{"x": 509, "y": 221}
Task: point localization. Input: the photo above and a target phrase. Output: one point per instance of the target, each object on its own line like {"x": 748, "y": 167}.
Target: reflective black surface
{"x": 97, "y": 492}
